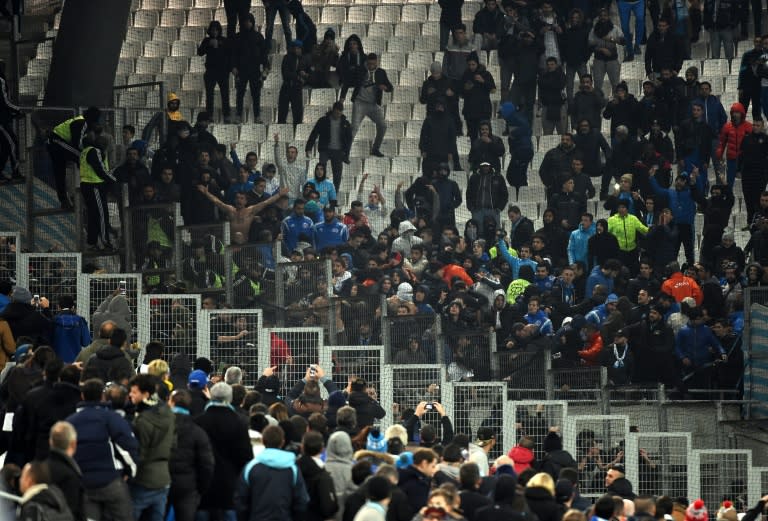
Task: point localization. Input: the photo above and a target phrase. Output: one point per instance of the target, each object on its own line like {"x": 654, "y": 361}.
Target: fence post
{"x": 439, "y": 341}
{"x": 549, "y": 377}
{"x": 130, "y": 259}
{"x": 229, "y": 275}
{"x": 746, "y": 345}
{"x": 662, "y": 409}
{"x": 604, "y": 395}
{"x": 492, "y": 347}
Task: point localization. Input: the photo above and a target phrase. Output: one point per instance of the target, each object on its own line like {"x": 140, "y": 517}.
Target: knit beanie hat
{"x": 696, "y": 511}
{"x": 727, "y": 512}
{"x": 376, "y": 442}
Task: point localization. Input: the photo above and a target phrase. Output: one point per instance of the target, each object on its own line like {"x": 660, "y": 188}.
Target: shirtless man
{"x": 240, "y": 216}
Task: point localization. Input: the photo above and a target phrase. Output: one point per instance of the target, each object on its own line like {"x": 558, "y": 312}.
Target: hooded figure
{"x": 339, "y": 462}
{"x": 218, "y": 62}
{"x": 555, "y": 458}
{"x": 351, "y": 65}
{"x": 406, "y": 239}
{"x": 731, "y": 136}
{"x": 116, "y": 309}
{"x": 507, "y": 505}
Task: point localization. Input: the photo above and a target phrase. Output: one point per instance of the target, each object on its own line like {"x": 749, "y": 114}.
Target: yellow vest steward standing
{"x": 94, "y": 169}
{"x": 94, "y": 173}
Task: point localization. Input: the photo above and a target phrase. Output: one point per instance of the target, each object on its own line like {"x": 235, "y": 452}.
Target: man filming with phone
{"x": 428, "y": 434}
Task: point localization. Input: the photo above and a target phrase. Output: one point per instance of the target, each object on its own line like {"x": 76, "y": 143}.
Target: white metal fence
{"x": 49, "y": 275}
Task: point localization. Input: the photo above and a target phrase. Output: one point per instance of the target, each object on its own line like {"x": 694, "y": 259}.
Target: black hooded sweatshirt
{"x": 249, "y": 51}
{"x": 218, "y": 59}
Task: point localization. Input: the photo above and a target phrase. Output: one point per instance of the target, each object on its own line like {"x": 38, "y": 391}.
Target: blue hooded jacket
{"x": 70, "y": 335}
{"x": 596, "y": 277}
{"x": 271, "y": 488}
{"x": 520, "y": 130}
{"x": 579, "y": 242}
{"x": 682, "y": 202}
{"x": 694, "y": 343}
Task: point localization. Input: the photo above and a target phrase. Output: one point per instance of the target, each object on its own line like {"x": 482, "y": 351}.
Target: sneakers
{"x": 377, "y": 153}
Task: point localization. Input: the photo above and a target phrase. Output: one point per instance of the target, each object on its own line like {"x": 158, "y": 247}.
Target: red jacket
{"x": 680, "y": 286}
{"x": 731, "y": 135}
{"x": 591, "y": 352}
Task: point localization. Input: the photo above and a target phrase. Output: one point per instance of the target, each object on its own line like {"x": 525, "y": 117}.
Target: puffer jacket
{"x": 494, "y": 186}
{"x": 155, "y": 427}
{"x": 191, "y": 463}
{"x": 732, "y": 135}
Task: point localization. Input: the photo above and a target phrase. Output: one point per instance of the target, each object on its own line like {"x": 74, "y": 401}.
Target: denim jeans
{"x": 275, "y": 7}
{"x": 150, "y": 500}
{"x": 625, "y": 9}
{"x": 731, "y": 167}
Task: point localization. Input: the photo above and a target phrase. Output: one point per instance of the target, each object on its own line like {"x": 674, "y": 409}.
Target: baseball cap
{"x": 197, "y": 379}
{"x": 484, "y": 436}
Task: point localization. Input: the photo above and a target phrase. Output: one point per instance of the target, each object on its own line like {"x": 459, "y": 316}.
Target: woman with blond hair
{"x": 540, "y": 495}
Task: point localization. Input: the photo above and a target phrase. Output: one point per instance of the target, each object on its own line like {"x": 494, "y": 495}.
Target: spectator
{"x": 42, "y": 500}
{"x": 324, "y": 57}
{"x": 623, "y": 110}
{"x": 731, "y": 136}
{"x": 320, "y": 486}
{"x": 100, "y": 430}
{"x": 587, "y": 104}
{"x": 625, "y": 10}
{"x": 294, "y": 76}
{"x": 28, "y": 317}
{"x": 366, "y": 101}
{"x": 339, "y": 461}
{"x": 352, "y": 65}
{"x": 235, "y": 10}
{"x": 271, "y": 484}
{"x": 578, "y": 243}
{"x": 477, "y": 86}
{"x": 749, "y": 82}
{"x": 540, "y": 496}
{"x": 250, "y": 62}
{"x": 520, "y": 147}
{"x": 679, "y": 285}
{"x": 697, "y": 347}
{"x": 109, "y": 363}
{"x": 155, "y": 427}
{"x": 70, "y": 330}
{"x": 335, "y": 139}
{"x": 437, "y": 140}
{"x": 478, "y": 451}
{"x": 379, "y": 494}
{"x": 486, "y": 194}
{"x": 575, "y": 45}
{"x": 604, "y": 39}
{"x": 488, "y": 26}
{"x": 720, "y": 20}
{"x": 64, "y": 472}
{"x": 557, "y": 162}
{"x": 664, "y": 49}
{"x": 218, "y": 55}
{"x": 231, "y": 450}
{"x": 551, "y": 86}
{"x": 191, "y": 463}
{"x": 415, "y": 479}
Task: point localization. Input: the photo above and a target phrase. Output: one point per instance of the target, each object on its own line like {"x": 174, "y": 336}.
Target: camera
{"x": 312, "y": 370}
{"x": 429, "y": 407}
{"x": 123, "y": 287}
{"x": 36, "y": 300}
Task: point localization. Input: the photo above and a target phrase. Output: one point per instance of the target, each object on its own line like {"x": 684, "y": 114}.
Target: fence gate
{"x": 293, "y": 350}
{"x": 95, "y": 293}
{"x": 472, "y": 405}
{"x": 534, "y": 418}
{"x": 596, "y": 438}
{"x": 10, "y": 249}
{"x": 172, "y": 320}
{"x": 404, "y": 386}
{"x": 716, "y": 474}
{"x": 662, "y": 463}
{"x": 358, "y": 361}
{"x": 231, "y": 337}
{"x": 49, "y": 275}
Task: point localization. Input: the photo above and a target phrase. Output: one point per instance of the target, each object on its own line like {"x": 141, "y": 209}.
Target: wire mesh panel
{"x": 595, "y": 441}
{"x": 250, "y": 273}
{"x": 534, "y": 418}
{"x": 410, "y": 339}
{"x": 580, "y": 384}
{"x": 698, "y": 418}
{"x": 172, "y": 320}
{"x": 404, "y": 386}
{"x": 303, "y": 293}
{"x": 469, "y": 355}
{"x": 231, "y": 337}
{"x": 199, "y": 257}
{"x": 480, "y": 404}
{"x": 355, "y": 361}
{"x": 109, "y": 296}
{"x": 293, "y": 350}
{"x": 756, "y": 335}
{"x": 356, "y": 319}
{"x": 524, "y": 371}
{"x": 49, "y": 275}
{"x": 150, "y": 239}
{"x": 10, "y": 247}
{"x": 662, "y": 463}
{"x": 641, "y": 405}
{"x": 721, "y": 474}
{"x": 758, "y": 484}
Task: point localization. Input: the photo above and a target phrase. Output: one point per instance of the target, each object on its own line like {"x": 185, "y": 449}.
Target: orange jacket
{"x": 680, "y": 286}
{"x": 731, "y": 135}
{"x": 591, "y": 352}
{"x": 453, "y": 270}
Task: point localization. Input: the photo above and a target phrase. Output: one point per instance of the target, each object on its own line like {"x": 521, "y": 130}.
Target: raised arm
{"x": 215, "y": 200}
{"x": 258, "y": 207}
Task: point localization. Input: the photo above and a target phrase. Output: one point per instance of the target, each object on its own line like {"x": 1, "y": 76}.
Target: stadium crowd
{"x": 90, "y": 434}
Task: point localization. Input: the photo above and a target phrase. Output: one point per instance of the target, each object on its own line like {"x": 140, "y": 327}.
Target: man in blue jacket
{"x": 681, "y": 198}
{"x": 330, "y": 232}
{"x": 70, "y": 331}
{"x": 106, "y": 452}
{"x": 579, "y": 240}
{"x": 296, "y": 225}
{"x": 697, "y": 348}
{"x": 271, "y": 486}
